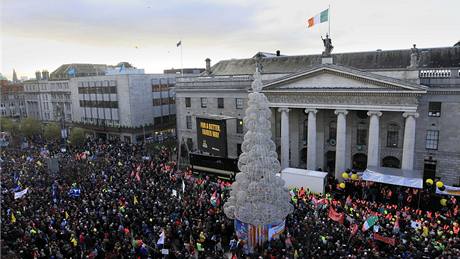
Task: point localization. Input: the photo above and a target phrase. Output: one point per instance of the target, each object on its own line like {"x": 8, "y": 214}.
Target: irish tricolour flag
{"x": 319, "y": 18}
{"x": 370, "y": 222}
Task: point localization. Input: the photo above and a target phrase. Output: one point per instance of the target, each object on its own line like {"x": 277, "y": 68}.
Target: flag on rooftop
{"x": 319, "y": 18}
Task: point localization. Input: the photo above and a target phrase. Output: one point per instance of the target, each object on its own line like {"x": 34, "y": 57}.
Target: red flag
{"x": 354, "y": 229}
{"x": 396, "y": 226}
{"x": 386, "y": 240}
{"x": 335, "y": 216}
{"x": 138, "y": 178}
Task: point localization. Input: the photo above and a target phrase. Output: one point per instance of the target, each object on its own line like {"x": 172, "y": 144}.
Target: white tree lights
{"x": 258, "y": 196}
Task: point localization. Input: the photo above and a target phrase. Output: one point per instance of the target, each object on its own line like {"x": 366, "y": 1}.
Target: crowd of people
{"x": 114, "y": 200}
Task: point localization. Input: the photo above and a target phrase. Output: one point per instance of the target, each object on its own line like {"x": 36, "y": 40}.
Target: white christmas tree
{"x": 258, "y": 196}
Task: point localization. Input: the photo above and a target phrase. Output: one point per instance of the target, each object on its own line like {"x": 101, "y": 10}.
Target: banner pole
{"x": 329, "y": 20}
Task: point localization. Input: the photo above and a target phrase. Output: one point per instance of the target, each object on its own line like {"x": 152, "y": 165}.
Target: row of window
{"x": 161, "y": 88}
{"x": 432, "y": 137}
{"x": 220, "y": 102}
{"x": 434, "y": 108}
{"x": 100, "y": 121}
{"x": 97, "y": 83}
{"x": 52, "y": 86}
{"x": 164, "y": 119}
{"x": 13, "y": 113}
{"x": 164, "y": 101}
{"x": 21, "y": 103}
{"x": 60, "y": 96}
{"x": 98, "y": 90}
{"x": 99, "y": 104}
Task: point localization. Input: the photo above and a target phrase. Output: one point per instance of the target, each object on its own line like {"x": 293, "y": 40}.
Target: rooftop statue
{"x": 327, "y": 46}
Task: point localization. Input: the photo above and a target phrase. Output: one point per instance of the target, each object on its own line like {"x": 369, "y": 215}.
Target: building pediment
{"x": 328, "y": 77}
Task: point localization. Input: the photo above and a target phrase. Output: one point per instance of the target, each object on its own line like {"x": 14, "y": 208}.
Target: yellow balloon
{"x": 342, "y": 185}
{"x": 443, "y": 202}
{"x": 354, "y": 177}
{"x": 439, "y": 184}
{"x": 345, "y": 175}
{"x": 429, "y": 181}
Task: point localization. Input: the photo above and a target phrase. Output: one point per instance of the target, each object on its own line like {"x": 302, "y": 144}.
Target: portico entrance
{"x": 359, "y": 162}
{"x": 330, "y": 161}
{"x": 356, "y": 102}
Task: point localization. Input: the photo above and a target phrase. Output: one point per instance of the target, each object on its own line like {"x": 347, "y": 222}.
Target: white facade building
{"x": 47, "y": 100}
{"x": 126, "y": 106}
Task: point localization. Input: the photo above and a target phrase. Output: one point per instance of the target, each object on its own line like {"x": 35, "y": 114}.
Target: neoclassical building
{"x": 379, "y": 109}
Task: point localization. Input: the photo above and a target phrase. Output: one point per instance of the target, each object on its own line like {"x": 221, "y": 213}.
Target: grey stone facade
{"x": 358, "y": 82}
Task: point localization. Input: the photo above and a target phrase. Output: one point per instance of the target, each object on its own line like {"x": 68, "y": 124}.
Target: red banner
{"x": 335, "y": 216}
{"x": 354, "y": 229}
{"x": 386, "y": 240}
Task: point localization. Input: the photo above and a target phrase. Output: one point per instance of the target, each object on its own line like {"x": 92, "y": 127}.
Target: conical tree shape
{"x": 15, "y": 77}
{"x": 258, "y": 196}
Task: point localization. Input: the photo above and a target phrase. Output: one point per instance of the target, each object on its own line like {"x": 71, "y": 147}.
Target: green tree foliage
{"x": 52, "y": 132}
{"x": 10, "y": 126}
{"x": 30, "y": 127}
{"x": 77, "y": 136}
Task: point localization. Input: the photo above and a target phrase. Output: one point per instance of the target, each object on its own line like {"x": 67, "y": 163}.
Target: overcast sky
{"x": 43, "y": 34}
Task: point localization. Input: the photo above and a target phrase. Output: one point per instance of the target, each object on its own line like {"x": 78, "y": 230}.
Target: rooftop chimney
{"x": 278, "y": 53}
{"x": 38, "y": 75}
{"x": 208, "y": 66}
{"x": 45, "y": 75}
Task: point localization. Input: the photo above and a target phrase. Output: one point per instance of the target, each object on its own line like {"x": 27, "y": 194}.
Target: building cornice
{"x": 444, "y": 92}
{"x": 329, "y": 92}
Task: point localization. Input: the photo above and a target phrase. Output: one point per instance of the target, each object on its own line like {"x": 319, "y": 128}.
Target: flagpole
{"x": 181, "y": 61}
{"x": 329, "y": 20}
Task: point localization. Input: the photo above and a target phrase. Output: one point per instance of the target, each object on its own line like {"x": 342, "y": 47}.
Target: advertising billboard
{"x": 212, "y": 136}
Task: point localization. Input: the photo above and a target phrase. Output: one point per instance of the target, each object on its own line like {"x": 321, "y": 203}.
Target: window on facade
{"x": 434, "y": 109}
{"x": 188, "y": 119}
{"x": 188, "y": 102}
{"x": 239, "y": 103}
{"x": 361, "y": 134}
{"x": 204, "y": 102}
{"x": 305, "y": 131}
{"x": 157, "y": 102}
{"x": 392, "y": 135}
{"x": 432, "y": 139}
{"x": 220, "y": 103}
{"x": 239, "y": 126}
{"x": 189, "y": 143}
{"x": 332, "y": 130}
{"x": 238, "y": 149}
{"x": 99, "y": 104}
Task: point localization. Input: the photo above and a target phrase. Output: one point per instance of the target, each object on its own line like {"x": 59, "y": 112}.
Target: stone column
{"x": 284, "y": 137}
{"x": 373, "y": 146}
{"x": 340, "y": 148}
{"x": 311, "y": 140}
{"x": 409, "y": 141}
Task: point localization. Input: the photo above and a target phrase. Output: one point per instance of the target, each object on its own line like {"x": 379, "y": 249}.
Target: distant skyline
{"x": 39, "y": 35}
